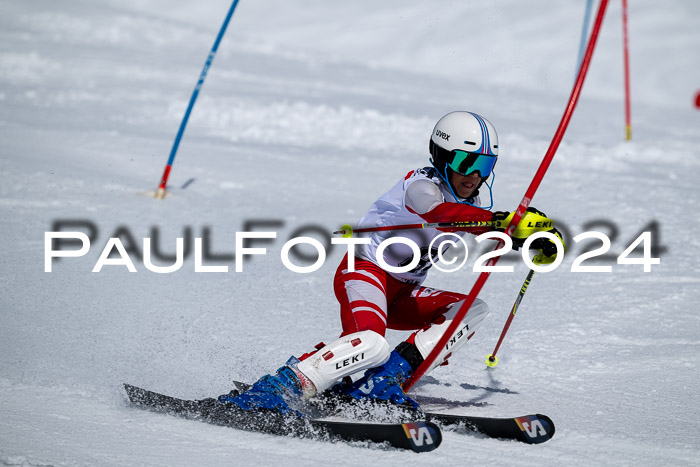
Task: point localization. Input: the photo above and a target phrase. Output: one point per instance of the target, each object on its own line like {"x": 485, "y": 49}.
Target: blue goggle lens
{"x": 465, "y": 163}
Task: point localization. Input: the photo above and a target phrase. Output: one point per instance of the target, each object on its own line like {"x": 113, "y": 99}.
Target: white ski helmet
{"x": 464, "y": 142}
{"x": 464, "y": 132}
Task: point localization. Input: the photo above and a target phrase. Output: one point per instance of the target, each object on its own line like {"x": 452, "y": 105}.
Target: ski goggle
{"x": 465, "y": 163}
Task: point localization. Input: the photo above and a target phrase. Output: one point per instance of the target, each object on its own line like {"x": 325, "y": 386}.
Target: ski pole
{"x": 346, "y": 231}
{"x": 492, "y": 360}
{"x": 160, "y": 194}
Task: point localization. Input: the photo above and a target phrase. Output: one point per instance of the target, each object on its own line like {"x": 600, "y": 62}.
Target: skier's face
{"x": 465, "y": 185}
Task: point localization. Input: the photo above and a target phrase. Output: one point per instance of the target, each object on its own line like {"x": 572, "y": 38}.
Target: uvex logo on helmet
{"x": 442, "y": 135}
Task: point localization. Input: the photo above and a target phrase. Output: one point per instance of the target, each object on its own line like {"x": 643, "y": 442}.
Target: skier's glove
{"x": 547, "y": 249}
{"x": 532, "y": 221}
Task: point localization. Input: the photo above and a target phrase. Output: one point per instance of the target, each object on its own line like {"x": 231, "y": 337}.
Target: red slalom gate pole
{"x": 625, "y": 41}
{"x": 524, "y": 203}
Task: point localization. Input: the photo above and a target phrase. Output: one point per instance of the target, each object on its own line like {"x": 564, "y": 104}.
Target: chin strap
{"x": 493, "y": 172}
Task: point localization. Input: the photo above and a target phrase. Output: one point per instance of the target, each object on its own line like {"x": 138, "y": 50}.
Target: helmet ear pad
{"x": 440, "y": 157}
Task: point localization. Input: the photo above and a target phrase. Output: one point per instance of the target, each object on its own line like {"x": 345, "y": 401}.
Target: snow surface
{"x": 310, "y": 111}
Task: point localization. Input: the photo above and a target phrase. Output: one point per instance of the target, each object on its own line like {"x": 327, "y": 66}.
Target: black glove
{"x": 547, "y": 249}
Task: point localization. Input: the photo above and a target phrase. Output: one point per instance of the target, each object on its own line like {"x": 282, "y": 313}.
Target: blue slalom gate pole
{"x": 160, "y": 194}
{"x": 584, "y": 33}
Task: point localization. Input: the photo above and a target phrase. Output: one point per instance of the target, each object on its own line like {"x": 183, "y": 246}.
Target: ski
{"x": 530, "y": 429}
{"x": 417, "y": 436}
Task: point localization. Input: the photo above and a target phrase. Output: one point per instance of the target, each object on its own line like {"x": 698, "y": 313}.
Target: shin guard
{"x": 344, "y": 357}
{"x": 426, "y": 339}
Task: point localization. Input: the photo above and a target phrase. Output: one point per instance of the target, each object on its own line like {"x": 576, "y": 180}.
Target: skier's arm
{"x": 424, "y": 198}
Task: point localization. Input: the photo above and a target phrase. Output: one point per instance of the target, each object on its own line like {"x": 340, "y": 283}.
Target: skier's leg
{"x": 383, "y": 380}
{"x": 433, "y": 311}
{"x": 425, "y": 340}
{"x": 303, "y": 379}
{"x": 346, "y": 356}
{"x": 362, "y": 298}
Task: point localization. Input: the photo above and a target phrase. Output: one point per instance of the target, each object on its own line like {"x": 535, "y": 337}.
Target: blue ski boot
{"x": 383, "y": 383}
{"x": 271, "y": 392}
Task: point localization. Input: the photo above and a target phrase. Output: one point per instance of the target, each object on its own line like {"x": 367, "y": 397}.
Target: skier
{"x": 464, "y": 151}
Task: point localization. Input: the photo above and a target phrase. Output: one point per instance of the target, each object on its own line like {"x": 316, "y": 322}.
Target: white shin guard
{"x": 426, "y": 339}
{"x": 346, "y": 356}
